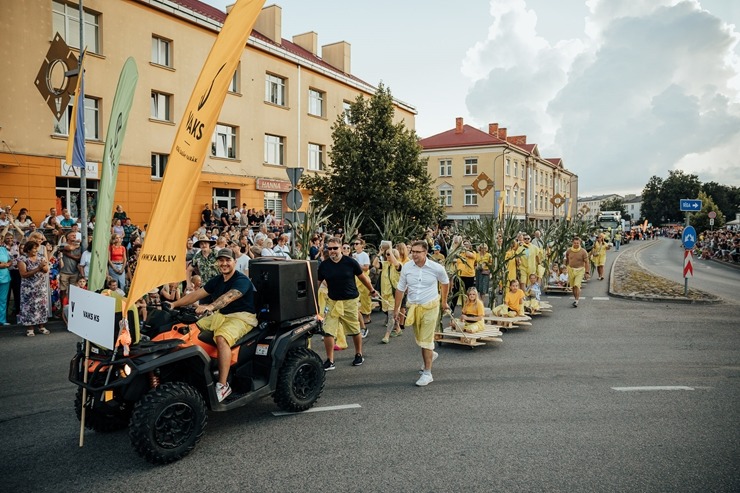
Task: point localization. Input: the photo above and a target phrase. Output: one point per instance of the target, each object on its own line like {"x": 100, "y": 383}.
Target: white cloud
{"x": 649, "y": 86}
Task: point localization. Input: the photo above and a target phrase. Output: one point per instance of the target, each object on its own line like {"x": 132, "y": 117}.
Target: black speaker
{"x": 285, "y": 290}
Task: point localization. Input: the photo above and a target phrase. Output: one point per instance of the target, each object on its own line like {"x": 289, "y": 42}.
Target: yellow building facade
{"x": 278, "y": 113}
{"x": 470, "y": 166}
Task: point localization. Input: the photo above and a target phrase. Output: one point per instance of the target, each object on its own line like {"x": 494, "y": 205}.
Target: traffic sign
{"x": 712, "y": 214}
{"x": 689, "y": 237}
{"x": 711, "y": 222}
{"x": 294, "y": 175}
{"x": 688, "y": 268}
{"x": 294, "y": 199}
{"x": 690, "y": 205}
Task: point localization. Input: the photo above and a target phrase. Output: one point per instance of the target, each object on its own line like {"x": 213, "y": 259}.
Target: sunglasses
{"x": 332, "y": 248}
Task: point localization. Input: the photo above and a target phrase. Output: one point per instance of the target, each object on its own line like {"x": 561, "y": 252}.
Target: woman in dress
{"x": 598, "y": 255}
{"x": 33, "y": 268}
{"x": 117, "y": 229}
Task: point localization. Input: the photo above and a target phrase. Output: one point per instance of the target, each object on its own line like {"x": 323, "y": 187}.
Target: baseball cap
{"x": 225, "y": 252}
{"x": 436, "y": 247}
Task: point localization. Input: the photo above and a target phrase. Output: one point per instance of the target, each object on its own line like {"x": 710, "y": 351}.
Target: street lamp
{"x": 504, "y": 152}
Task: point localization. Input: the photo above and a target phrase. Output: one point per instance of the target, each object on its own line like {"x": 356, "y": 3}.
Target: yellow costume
{"x": 598, "y": 254}
{"x": 474, "y": 309}
{"x": 423, "y": 318}
{"x": 510, "y": 260}
{"x": 513, "y": 305}
{"x": 388, "y": 281}
{"x": 340, "y": 340}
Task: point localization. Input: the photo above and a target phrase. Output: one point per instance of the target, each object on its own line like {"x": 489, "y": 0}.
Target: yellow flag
{"x": 162, "y": 258}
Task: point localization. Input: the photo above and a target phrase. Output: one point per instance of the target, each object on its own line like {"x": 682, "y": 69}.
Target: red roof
{"x": 470, "y": 136}
{"x": 215, "y": 14}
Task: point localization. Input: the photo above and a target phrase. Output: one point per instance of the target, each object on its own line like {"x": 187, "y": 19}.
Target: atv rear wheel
{"x": 104, "y": 418}
{"x": 168, "y": 422}
{"x": 300, "y": 381}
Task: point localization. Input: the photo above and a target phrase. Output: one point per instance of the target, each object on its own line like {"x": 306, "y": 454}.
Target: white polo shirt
{"x": 422, "y": 281}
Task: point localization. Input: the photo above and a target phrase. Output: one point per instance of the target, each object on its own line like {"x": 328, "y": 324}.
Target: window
{"x": 523, "y": 170}
{"x": 160, "y": 106}
{"x": 234, "y": 84}
{"x": 161, "y": 51}
{"x": 159, "y": 163}
{"x": 346, "y": 111}
{"x": 508, "y": 166}
{"x": 516, "y": 168}
{"x": 92, "y": 119}
{"x": 316, "y": 157}
{"x": 445, "y": 167}
{"x": 521, "y": 199}
{"x": 66, "y": 22}
{"x": 274, "y": 201}
{"x": 315, "y": 102}
{"x": 471, "y": 196}
{"x": 507, "y": 196}
{"x": 516, "y": 192}
{"x": 535, "y": 200}
{"x": 275, "y": 90}
{"x": 225, "y": 197}
{"x": 445, "y": 198}
{"x": 471, "y": 166}
{"x": 223, "y": 143}
{"x": 274, "y": 149}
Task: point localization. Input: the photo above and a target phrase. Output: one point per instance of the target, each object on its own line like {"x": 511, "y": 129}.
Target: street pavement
{"x": 615, "y": 395}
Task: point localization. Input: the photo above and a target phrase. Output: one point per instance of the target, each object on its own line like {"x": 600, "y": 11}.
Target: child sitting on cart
{"x": 513, "y": 305}
{"x": 473, "y": 312}
{"x": 532, "y": 292}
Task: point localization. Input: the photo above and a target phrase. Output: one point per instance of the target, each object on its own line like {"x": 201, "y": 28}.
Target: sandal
{"x": 29, "y": 333}
{"x": 44, "y": 330}
{"x": 396, "y": 333}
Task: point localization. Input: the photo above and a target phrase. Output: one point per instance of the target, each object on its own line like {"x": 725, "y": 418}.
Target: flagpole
{"x": 83, "y": 220}
{"x": 83, "y": 170}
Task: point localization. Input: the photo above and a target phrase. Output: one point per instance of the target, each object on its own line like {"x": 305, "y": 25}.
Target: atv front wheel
{"x": 168, "y": 422}
{"x": 300, "y": 381}
{"x": 104, "y": 417}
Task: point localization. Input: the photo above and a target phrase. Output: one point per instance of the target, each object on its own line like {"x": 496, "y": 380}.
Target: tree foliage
{"x": 700, "y": 220}
{"x": 652, "y": 207}
{"x": 376, "y": 167}
{"x": 727, "y": 198}
{"x": 660, "y": 198}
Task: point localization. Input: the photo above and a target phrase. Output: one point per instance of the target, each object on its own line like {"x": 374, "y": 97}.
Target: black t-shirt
{"x": 217, "y": 287}
{"x": 206, "y": 214}
{"x": 340, "y": 277}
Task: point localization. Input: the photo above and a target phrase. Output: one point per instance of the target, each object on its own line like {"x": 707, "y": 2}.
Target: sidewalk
{"x": 628, "y": 279}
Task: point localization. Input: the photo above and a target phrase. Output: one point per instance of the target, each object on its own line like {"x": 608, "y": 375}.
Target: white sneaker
{"x": 435, "y": 355}
{"x": 222, "y": 391}
{"x": 364, "y": 333}
{"x": 424, "y": 380}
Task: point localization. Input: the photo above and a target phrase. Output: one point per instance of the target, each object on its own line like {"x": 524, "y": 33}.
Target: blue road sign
{"x": 689, "y": 237}
{"x": 690, "y": 205}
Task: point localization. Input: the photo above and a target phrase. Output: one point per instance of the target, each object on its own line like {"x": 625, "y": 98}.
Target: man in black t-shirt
{"x": 343, "y": 302}
{"x": 233, "y": 312}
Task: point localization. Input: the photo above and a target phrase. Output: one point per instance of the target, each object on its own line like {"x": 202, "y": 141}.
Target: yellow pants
{"x": 231, "y": 327}
{"x": 423, "y": 318}
{"x": 366, "y": 304}
{"x": 342, "y": 317}
{"x": 474, "y": 327}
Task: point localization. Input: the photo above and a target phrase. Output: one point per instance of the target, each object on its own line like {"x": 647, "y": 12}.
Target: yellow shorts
{"x": 231, "y": 327}
{"x": 575, "y": 276}
{"x": 366, "y": 304}
{"x": 342, "y": 313}
{"x": 423, "y": 318}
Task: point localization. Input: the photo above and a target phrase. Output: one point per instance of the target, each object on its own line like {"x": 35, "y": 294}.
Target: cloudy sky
{"x": 620, "y": 89}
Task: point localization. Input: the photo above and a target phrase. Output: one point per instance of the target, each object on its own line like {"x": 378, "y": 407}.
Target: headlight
{"x": 125, "y": 371}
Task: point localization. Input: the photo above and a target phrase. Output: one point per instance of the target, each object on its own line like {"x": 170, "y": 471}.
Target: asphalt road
{"x": 538, "y": 412}
{"x": 665, "y": 257}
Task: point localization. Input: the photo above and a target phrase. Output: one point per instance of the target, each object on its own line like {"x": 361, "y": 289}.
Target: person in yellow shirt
{"x": 465, "y": 265}
{"x": 483, "y": 264}
{"x": 513, "y": 305}
{"x": 512, "y": 260}
{"x": 473, "y": 312}
{"x": 598, "y": 255}
{"x": 530, "y": 259}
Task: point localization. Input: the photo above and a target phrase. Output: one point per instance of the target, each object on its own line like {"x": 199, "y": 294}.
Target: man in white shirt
{"x": 420, "y": 278}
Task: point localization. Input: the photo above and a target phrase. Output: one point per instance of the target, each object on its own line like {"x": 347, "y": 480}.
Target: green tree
{"x": 376, "y": 167}
{"x": 615, "y": 204}
{"x": 676, "y": 187}
{"x": 652, "y": 208}
{"x": 700, "y": 220}
{"x": 726, "y": 197}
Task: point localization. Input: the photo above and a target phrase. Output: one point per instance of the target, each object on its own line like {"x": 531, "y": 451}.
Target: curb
{"x": 658, "y": 299}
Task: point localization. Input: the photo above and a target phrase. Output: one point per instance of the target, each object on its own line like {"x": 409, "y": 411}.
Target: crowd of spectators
{"x": 722, "y": 245}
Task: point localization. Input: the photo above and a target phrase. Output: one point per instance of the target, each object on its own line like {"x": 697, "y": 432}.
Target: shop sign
{"x": 269, "y": 185}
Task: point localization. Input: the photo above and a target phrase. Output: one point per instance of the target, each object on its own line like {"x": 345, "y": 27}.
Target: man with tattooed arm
{"x": 232, "y": 313}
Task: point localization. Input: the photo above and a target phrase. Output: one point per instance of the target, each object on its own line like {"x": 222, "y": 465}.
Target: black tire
{"x": 300, "y": 381}
{"x": 104, "y": 418}
{"x": 168, "y": 422}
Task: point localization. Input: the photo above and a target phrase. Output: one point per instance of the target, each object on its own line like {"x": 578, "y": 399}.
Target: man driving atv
{"x": 233, "y": 312}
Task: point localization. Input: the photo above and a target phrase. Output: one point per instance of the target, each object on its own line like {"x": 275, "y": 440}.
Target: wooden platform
{"x": 508, "y": 322}
{"x": 553, "y": 289}
{"x": 451, "y": 336}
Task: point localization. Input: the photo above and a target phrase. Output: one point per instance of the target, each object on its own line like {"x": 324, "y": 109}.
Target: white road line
{"x": 319, "y": 409}
{"x": 657, "y": 387}
{"x": 600, "y": 298}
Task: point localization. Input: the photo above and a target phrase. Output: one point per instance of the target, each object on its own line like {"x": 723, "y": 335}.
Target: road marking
{"x": 657, "y": 387}
{"x": 600, "y": 298}
{"x": 318, "y": 409}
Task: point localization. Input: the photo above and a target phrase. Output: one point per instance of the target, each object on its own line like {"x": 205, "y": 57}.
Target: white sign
{"x": 91, "y": 170}
{"x": 711, "y": 221}
{"x": 92, "y": 316}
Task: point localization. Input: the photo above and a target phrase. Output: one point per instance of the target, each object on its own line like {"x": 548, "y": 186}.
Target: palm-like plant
{"x": 351, "y": 225}
{"x": 315, "y": 218}
{"x": 397, "y": 228}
